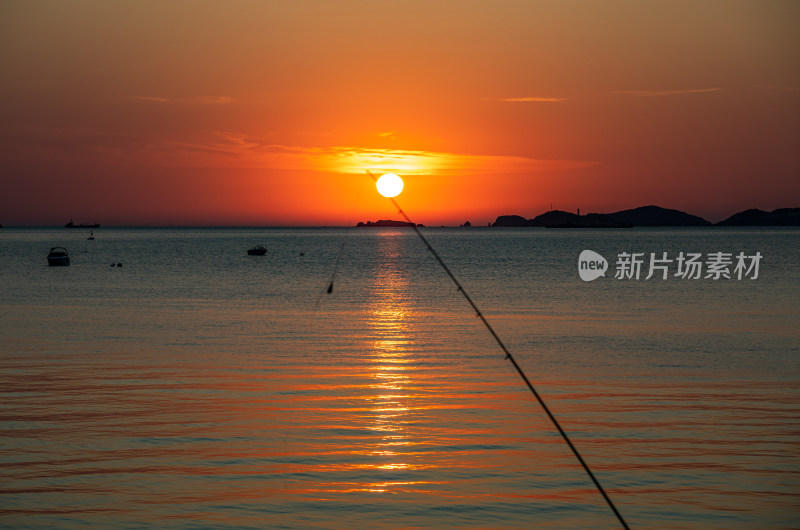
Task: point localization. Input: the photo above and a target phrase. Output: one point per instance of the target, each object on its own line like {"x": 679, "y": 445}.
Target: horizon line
{"x": 334, "y": 225}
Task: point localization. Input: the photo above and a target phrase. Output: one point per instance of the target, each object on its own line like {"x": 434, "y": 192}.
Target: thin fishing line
{"x": 511, "y": 358}
{"x": 329, "y": 289}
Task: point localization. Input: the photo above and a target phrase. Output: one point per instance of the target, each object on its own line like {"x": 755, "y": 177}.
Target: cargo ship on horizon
{"x": 71, "y": 224}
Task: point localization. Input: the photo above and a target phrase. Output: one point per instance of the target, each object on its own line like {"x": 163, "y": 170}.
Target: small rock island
{"x": 388, "y": 223}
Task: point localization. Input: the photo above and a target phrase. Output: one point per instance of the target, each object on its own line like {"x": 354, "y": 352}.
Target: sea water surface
{"x": 197, "y": 387}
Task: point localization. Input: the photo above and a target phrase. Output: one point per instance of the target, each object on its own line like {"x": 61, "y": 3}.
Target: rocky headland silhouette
{"x": 648, "y": 216}
{"x": 755, "y": 217}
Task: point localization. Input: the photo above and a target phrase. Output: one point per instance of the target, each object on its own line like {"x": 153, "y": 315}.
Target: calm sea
{"x": 197, "y": 387}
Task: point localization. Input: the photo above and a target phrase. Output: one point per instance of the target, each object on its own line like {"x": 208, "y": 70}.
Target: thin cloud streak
{"x": 200, "y": 100}
{"x": 354, "y": 160}
{"x": 236, "y": 150}
{"x": 530, "y": 99}
{"x": 658, "y": 93}
{"x": 231, "y": 149}
{"x": 149, "y": 99}
{"x": 779, "y": 88}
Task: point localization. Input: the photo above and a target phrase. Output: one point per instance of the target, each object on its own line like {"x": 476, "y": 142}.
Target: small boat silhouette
{"x": 58, "y": 256}
{"x": 258, "y": 250}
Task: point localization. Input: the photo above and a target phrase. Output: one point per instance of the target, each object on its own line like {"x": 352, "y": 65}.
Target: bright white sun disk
{"x": 390, "y": 185}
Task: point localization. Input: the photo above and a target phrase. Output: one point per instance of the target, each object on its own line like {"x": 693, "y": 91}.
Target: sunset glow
{"x": 261, "y": 114}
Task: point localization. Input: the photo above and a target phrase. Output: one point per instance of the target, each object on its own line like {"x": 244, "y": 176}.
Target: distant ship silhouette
{"x": 70, "y": 224}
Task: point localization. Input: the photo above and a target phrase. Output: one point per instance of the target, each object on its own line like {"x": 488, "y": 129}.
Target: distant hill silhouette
{"x": 387, "y": 223}
{"x": 657, "y": 216}
{"x": 642, "y": 216}
{"x": 513, "y": 221}
{"x": 755, "y": 217}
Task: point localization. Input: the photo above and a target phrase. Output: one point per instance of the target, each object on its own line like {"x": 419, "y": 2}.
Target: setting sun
{"x": 389, "y": 185}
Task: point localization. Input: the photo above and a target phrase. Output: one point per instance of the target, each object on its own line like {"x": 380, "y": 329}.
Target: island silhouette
{"x": 648, "y": 216}
{"x": 388, "y": 223}
{"x": 755, "y": 217}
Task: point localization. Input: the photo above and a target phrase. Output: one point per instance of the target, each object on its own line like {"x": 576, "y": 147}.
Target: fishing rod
{"x": 510, "y": 357}
{"x": 339, "y": 254}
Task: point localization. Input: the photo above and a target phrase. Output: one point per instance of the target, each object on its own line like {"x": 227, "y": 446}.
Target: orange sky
{"x": 269, "y": 113}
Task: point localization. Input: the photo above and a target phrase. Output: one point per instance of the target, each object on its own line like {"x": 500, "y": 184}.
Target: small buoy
{"x": 302, "y": 254}
{"x": 113, "y": 264}
{"x": 119, "y": 264}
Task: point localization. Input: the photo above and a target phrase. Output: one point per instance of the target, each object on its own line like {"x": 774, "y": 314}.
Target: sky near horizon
{"x": 270, "y": 113}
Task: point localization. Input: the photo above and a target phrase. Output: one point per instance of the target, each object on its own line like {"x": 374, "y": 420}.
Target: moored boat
{"x": 258, "y": 250}
{"x": 58, "y": 256}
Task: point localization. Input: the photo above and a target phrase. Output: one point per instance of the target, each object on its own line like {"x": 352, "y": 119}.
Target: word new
{"x": 591, "y": 265}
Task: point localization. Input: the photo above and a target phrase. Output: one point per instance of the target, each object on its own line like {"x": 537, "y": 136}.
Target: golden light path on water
{"x": 391, "y": 370}
{"x": 390, "y": 393}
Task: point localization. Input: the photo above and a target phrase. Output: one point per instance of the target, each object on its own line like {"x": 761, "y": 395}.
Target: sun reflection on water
{"x": 390, "y": 316}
